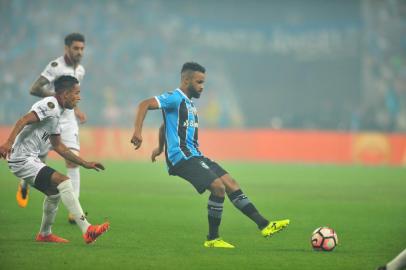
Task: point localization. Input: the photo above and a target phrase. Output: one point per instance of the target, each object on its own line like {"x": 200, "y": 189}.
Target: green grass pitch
{"x": 160, "y": 222}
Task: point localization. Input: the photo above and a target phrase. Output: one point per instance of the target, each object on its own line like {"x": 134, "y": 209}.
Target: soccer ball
{"x": 324, "y": 239}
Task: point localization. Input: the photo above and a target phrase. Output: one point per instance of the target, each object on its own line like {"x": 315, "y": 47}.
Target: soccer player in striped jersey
{"x": 179, "y": 134}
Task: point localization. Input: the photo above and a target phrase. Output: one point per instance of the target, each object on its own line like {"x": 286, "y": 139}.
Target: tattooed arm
{"x": 38, "y": 88}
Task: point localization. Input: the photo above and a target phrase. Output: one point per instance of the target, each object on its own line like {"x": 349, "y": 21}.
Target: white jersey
{"x": 35, "y": 136}
{"x": 53, "y": 71}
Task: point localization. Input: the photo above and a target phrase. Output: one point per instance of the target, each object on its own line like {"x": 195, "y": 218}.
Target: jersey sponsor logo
{"x": 54, "y": 64}
{"x": 190, "y": 123}
{"x": 51, "y": 105}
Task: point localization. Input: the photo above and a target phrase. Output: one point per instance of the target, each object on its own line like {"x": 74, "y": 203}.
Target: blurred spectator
{"x": 277, "y": 66}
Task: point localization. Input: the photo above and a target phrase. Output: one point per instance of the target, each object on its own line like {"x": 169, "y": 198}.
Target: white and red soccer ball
{"x": 324, "y": 239}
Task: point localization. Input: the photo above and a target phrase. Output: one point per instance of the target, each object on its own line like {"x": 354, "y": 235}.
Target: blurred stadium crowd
{"x": 335, "y": 65}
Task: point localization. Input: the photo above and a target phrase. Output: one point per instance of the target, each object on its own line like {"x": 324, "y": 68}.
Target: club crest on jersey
{"x": 51, "y": 105}
{"x": 54, "y": 64}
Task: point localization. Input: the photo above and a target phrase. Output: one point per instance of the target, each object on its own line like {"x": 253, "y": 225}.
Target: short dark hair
{"x": 69, "y": 39}
{"x": 192, "y": 66}
{"x": 65, "y": 82}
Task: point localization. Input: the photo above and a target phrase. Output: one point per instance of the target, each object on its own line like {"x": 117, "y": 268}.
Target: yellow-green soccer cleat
{"x": 217, "y": 243}
{"x": 274, "y": 227}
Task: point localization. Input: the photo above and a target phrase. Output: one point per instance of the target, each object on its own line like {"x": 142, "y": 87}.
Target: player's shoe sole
{"x": 51, "y": 238}
{"x": 274, "y": 227}
{"x": 94, "y": 231}
{"x": 217, "y": 243}
{"x": 22, "y": 195}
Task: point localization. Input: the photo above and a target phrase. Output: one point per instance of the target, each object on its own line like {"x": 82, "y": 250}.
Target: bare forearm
{"x": 29, "y": 118}
{"x": 67, "y": 154}
{"x": 141, "y": 112}
{"x": 161, "y": 138}
{"x": 41, "y": 92}
{"x": 19, "y": 125}
{"x": 39, "y": 88}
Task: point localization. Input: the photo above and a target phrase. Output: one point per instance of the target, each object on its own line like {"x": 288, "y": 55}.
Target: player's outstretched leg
{"x": 50, "y": 208}
{"x": 73, "y": 173}
{"x": 267, "y": 228}
{"x": 22, "y": 194}
{"x": 215, "y": 210}
{"x": 90, "y": 232}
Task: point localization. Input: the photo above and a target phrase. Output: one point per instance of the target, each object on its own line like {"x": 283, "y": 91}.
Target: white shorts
{"x": 26, "y": 169}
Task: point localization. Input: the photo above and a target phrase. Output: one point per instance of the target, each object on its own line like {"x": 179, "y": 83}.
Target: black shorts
{"x": 199, "y": 171}
{"x": 43, "y": 180}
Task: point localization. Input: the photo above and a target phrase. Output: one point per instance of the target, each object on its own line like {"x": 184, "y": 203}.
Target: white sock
{"x": 74, "y": 175}
{"x": 50, "y": 208}
{"x": 397, "y": 263}
{"x": 23, "y": 183}
{"x": 72, "y": 204}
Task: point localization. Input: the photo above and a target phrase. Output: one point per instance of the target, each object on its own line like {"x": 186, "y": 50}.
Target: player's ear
{"x": 64, "y": 94}
{"x": 186, "y": 80}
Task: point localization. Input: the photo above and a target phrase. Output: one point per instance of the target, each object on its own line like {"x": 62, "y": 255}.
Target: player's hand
{"x": 156, "y": 152}
{"x": 81, "y": 116}
{"x": 5, "y": 150}
{"x": 136, "y": 140}
{"x": 94, "y": 165}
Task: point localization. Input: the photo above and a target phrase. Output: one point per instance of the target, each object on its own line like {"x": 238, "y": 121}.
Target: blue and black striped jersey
{"x": 181, "y": 126}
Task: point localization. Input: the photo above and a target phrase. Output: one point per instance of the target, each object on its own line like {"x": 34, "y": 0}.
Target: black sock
{"x": 215, "y": 210}
{"x": 241, "y": 201}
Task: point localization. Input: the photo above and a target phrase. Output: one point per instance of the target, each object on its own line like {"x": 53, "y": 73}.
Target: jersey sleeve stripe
{"x": 36, "y": 115}
{"x": 159, "y": 103}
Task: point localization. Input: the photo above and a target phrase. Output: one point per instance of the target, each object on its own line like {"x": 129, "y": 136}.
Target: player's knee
{"x": 230, "y": 184}
{"x": 58, "y": 178}
{"x": 52, "y": 190}
{"x": 217, "y": 188}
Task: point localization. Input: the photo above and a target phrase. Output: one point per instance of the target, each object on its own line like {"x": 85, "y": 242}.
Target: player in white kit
{"x": 44, "y": 87}
{"x": 22, "y": 148}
